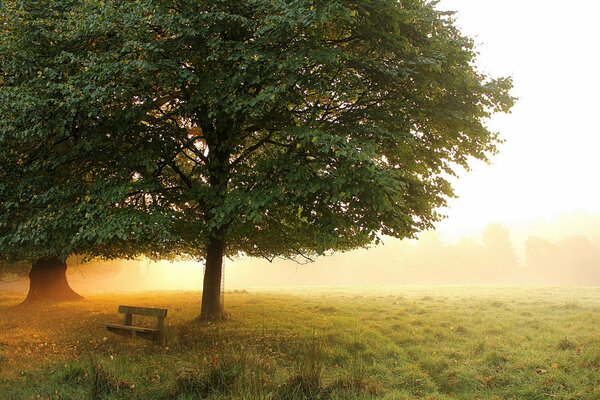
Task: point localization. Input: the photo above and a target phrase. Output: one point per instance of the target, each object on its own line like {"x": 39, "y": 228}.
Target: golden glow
{"x": 563, "y": 251}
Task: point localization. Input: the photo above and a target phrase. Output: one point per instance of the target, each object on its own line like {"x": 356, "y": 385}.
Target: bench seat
{"x": 117, "y": 327}
{"x": 128, "y": 329}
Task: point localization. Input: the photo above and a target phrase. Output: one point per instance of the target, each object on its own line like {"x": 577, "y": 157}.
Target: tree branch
{"x": 344, "y": 40}
{"x": 251, "y": 149}
{"x": 192, "y": 159}
{"x": 197, "y": 153}
{"x": 186, "y": 179}
{"x": 294, "y": 249}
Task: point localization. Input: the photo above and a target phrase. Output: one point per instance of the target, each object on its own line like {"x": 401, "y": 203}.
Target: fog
{"x": 560, "y": 252}
{"x": 564, "y": 251}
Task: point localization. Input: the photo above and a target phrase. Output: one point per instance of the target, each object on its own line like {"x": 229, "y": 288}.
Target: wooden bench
{"x": 128, "y": 329}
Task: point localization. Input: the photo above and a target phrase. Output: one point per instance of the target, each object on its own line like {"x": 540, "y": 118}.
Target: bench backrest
{"x": 149, "y": 312}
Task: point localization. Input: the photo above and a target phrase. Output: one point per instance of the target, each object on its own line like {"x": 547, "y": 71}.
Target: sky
{"x": 549, "y": 163}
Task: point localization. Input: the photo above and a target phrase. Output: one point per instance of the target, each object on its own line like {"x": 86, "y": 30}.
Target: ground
{"x": 370, "y": 343}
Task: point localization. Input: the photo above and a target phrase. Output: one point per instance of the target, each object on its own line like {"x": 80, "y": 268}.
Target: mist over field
{"x": 560, "y": 252}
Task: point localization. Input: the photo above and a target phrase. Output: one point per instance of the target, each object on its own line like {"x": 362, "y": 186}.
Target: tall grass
{"x": 480, "y": 343}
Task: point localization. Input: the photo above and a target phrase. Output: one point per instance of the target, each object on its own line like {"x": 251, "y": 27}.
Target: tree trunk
{"x": 212, "y": 306}
{"x": 48, "y": 282}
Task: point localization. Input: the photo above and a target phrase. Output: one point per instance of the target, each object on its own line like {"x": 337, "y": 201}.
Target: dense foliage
{"x": 268, "y": 128}
{"x": 68, "y": 158}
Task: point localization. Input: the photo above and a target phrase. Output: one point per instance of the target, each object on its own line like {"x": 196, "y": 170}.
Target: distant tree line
{"x": 494, "y": 258}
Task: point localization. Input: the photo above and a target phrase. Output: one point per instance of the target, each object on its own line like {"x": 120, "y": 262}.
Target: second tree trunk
{"x": 48, "y": 282}
{"x": 212, "y": 305}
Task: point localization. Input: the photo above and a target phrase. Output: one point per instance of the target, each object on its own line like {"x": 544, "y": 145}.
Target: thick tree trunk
{"x": 212, "y": 306}
{"x": 218, "y": 171}
{"x": 48, "y": 282}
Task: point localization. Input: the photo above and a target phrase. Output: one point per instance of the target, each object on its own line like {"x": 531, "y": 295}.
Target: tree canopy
{"x": 268, "y": 128}
{"x": 65, "y": 185}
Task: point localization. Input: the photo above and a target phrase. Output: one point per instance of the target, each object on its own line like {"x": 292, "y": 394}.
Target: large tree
{"x": 65, "y": 186}
{"x": 279, "y": 128}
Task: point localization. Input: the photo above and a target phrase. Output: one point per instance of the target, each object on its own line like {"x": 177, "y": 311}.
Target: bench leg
{"x": 160, "y": 338}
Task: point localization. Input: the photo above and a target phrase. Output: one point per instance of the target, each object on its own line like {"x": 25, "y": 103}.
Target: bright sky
{"x": 550, "y": 162}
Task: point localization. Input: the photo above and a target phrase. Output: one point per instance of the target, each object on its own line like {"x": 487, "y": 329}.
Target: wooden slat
{"x": 150, "y": 312}
{"x": 129, "y": 328}
{"x": 144, "y": 333}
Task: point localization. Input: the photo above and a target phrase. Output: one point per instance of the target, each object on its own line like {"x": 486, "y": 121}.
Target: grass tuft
{"x": 306, "y": 382}
{"x": 566, "y": 344}
{"x": 103, "y": 382}
{"x": 214, "y": 376}
{"x": 73, "y": 373}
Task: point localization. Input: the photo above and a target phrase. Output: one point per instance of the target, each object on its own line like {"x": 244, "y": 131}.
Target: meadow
{"x": 313, "y": 343}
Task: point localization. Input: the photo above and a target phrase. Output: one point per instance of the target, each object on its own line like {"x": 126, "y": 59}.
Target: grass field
{"x": 386, "y": 343}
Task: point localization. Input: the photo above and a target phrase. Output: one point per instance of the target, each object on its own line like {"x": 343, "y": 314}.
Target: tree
{"x": 501, "y": 257}
{"x": 63, "y": 188}
{"x": 287, "y": 128}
